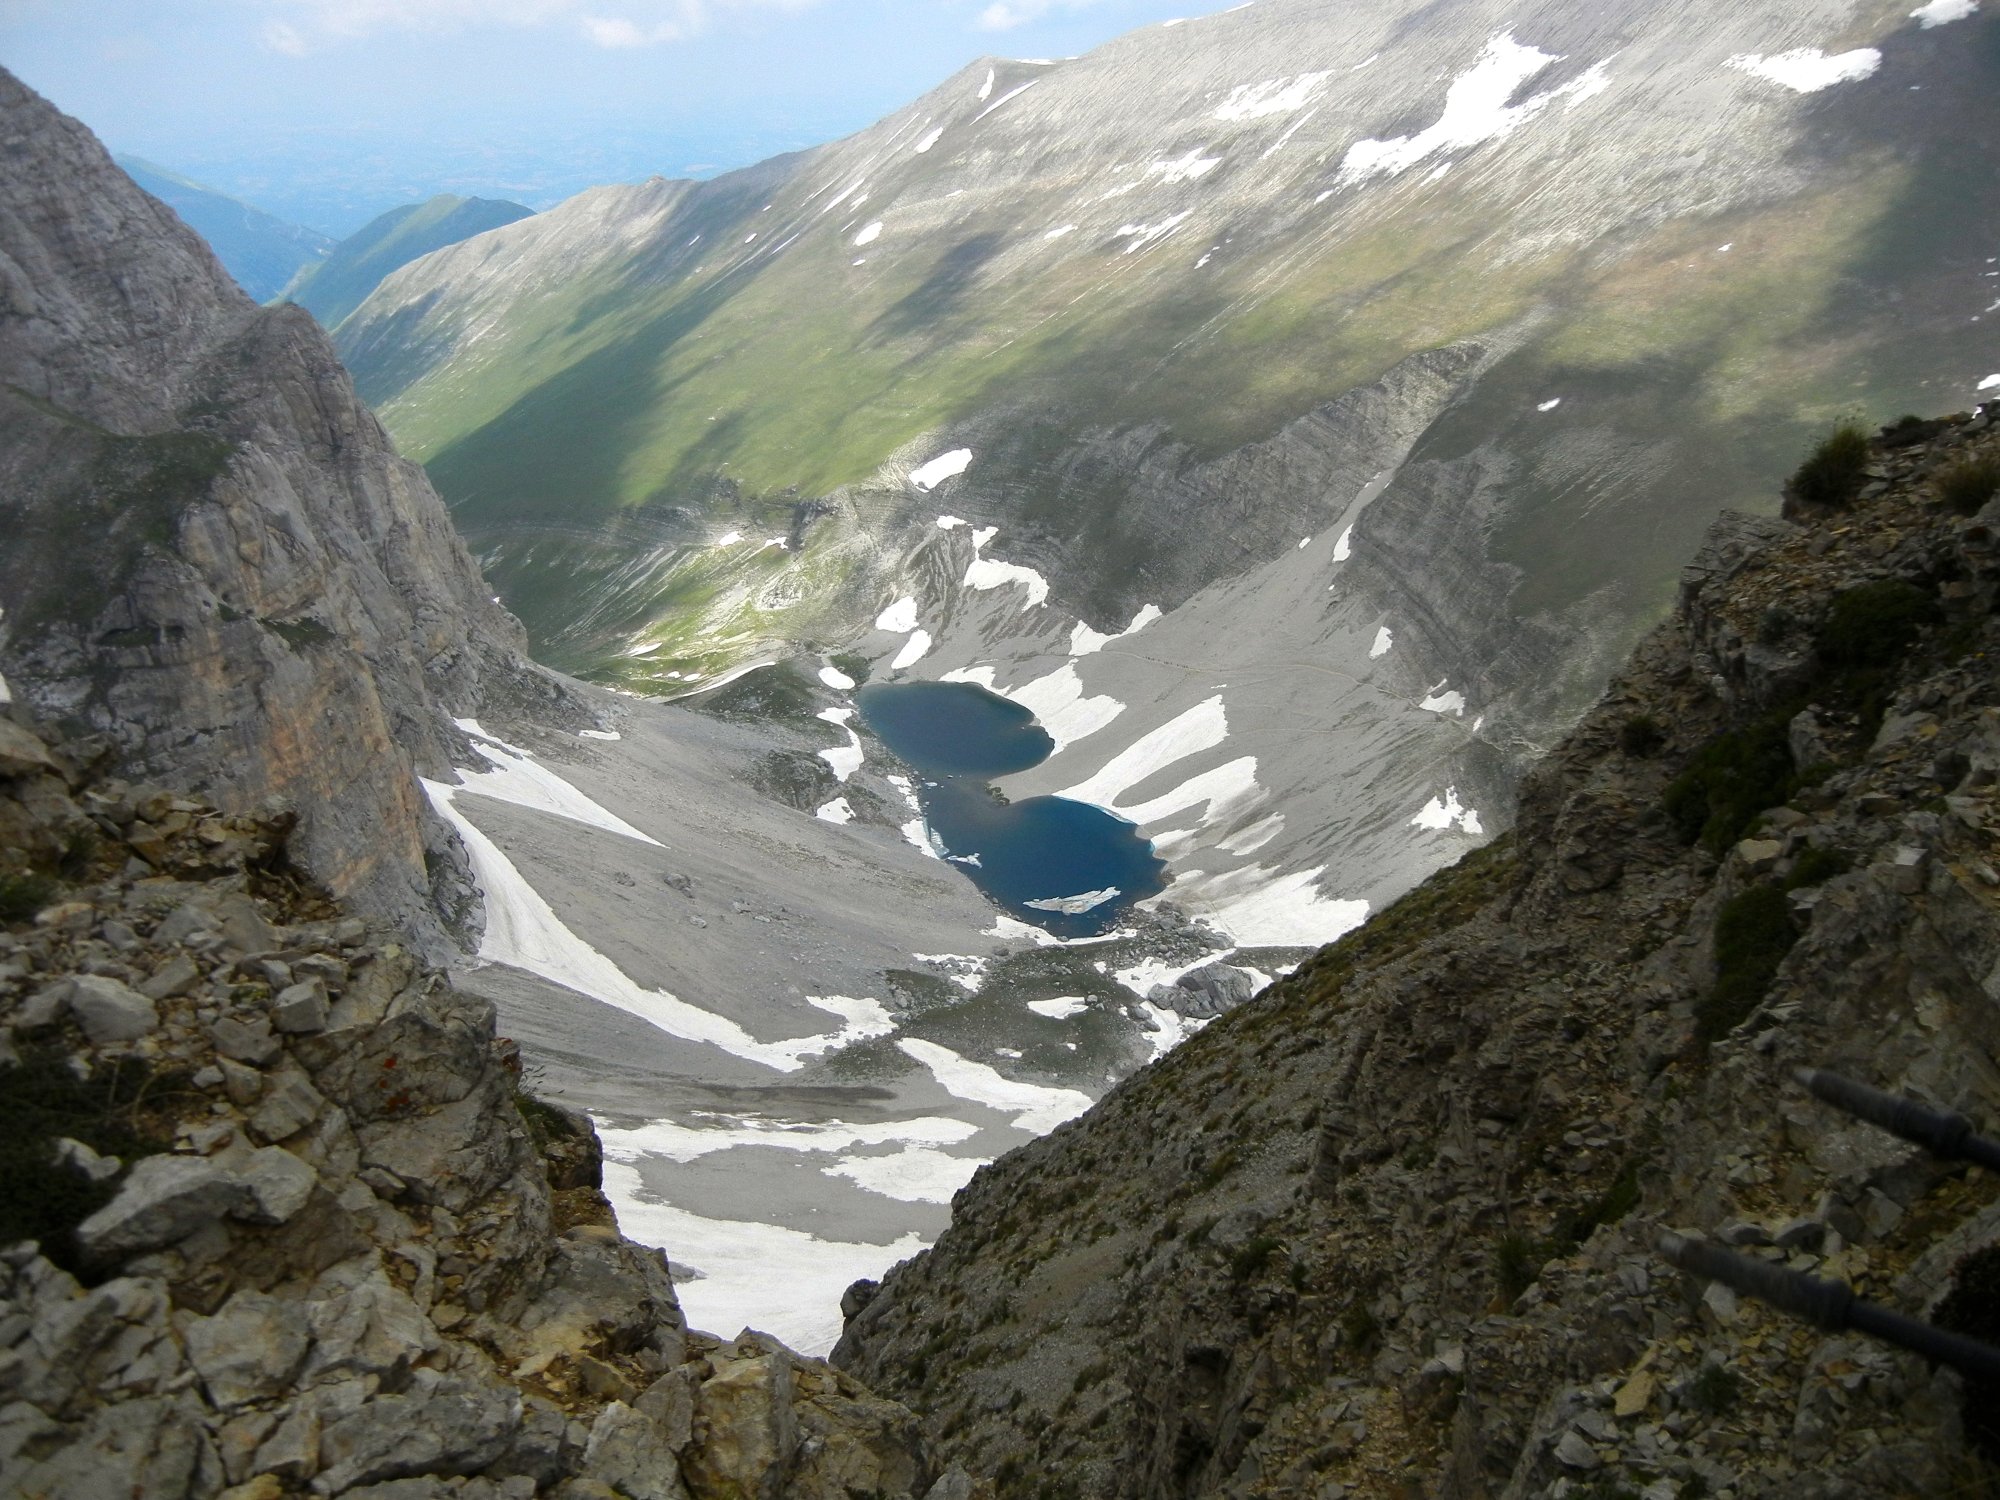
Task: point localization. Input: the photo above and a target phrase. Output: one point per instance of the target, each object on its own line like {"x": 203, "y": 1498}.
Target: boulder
{"x": 109, "y": 1011}
{"x": 163, "y": 1199}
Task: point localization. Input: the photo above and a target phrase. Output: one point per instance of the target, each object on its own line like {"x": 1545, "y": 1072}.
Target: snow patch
{"x": 1445, "y": 812}
{"x": 1059, "y": 705}
{"x": 1035, "y": 1108}
{"x": 1261, "y": 908}
{"x": 1342, "y": 546}
{"x": 728, "y": 539}
{"x": 900, "y": 617}
{"x": 1004, "y": 98}
{"x": 586, "y": 734}
{"x": 913, "y": 650}
{"x": 1989, "y": 382}
{"x": 1384, "y": 639}
{"x": 1475, "y": 110}
{"x": 1143, "y": 235}
{"x": 1807, "y": 70}
{"x": 915, "y": 1174}
{"x": 1274, "y": 96}
{"x": 988, "y": 573}
{"x": 836, "y": 811}
{"x": 844, "y": 759}
{"x": 685, "y": 1143}
{"x": 517, "y": 777}
{"x": 930, "y": 140}
{"x": 1056, "y": 234}
{"x": 1550, "y": 405}
{"x": 869, "y": 235}
{"x": 986, "y": 88}
{"x": 1083, "y": 641}
{"x": 928, "y": 477}
{"x": 1227, "y": 792}
{"x": 1249, "y": 840}
{"x": 1188, "y": 168}
{"x": 836, "y": 679}
{"x": 784, "y": 1282}
{"x": 1061, "y": 1008}
{"x": 1942, "y": 12}
{"x": 1202, "y": 727}
{"x": 1438, "y": 701}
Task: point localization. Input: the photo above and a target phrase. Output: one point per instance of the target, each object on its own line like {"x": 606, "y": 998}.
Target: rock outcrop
{"x": 1389, "y": 1228}
{"x": 277, "y": 1216}
{"x": 216, "y": 560}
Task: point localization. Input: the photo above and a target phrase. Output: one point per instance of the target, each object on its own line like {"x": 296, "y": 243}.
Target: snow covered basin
{"x": 1068, "y": 867}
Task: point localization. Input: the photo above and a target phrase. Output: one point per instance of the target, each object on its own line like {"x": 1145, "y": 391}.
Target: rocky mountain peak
{"x": 219, "y": 563}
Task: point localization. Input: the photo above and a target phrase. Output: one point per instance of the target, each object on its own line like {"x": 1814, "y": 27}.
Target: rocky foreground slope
{"x": 215, "y": 558}
{"x": 1388, "y": 1229}
{"x": 279, "y": 1218}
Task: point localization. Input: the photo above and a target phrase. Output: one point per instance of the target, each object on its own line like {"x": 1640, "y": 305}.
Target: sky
{"x": 327, "y": 112}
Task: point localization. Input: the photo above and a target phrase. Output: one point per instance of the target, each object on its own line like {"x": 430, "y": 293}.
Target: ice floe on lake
{"x": 1807, "y": 70}
{"x": 1075, "y": 905}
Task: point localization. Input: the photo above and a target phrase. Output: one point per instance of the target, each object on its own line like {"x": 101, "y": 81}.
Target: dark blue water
{"x": 956, "y": 734}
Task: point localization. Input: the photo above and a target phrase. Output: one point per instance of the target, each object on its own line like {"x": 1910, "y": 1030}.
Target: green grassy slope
{"x": 334, "y": 287}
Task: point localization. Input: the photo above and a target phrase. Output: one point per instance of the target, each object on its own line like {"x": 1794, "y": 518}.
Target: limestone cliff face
{"x": 1389, "y": 1228}
{"x": 215, "y": 558}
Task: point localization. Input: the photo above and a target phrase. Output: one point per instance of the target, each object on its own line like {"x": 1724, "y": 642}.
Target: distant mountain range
{"x": 261, "y": 251}
{"x": 333, "y": 287}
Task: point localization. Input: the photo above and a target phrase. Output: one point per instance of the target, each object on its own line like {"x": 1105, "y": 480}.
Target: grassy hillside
{"x": 334, "y": 287}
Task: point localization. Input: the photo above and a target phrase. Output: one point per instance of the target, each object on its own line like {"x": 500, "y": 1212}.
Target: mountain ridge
{"x": 261, "y": 251}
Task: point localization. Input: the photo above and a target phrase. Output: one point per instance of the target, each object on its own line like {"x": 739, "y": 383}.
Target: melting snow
{"x": 913, "y": 650}
{"x": 1305, "y": 542}
{"x": 1010, "y": 94}
{"x": 1056, "y": 234}
{"x": 900, "y": 617}
{"x": 1061, "y": 1008}
{"x": 1226, "y": 792}
{"x": 1058, "y": 704}
{"x": 1249, "y": 840}
{"x": 949, "y": 523}
{"x": 869, "y": 235}
{"x": 1148, "y": 972}
{"x": 845, "y": 759}
{"x": 1475, "y": 110}
{"x": 1446, "y": 811}
{"x": 599, "y": 734}
{"x": 1202, "y": 727}
{"x": 1940, "y": 12}
{"x": 928, "y": 477}
{"x": 930, "y": 140}
{"x": 915, "y": 1174}
{"x": 517, "y": 777}
{"x": 1807, "y": 70}
{"x": 1550, "y": 405}
{"x": 1187, "y": 168}
{"x": 836, "y": 811}
{"x": 783, "y": 1281}
{"x": 987, "y": 573}
{"x": 1274, "y": 96}
{"x": 1341, "y": 548}
{"x": 986, "y": 88}
{"x": 1259, "y": 908}
{"x": 1438, "y": 701}
{"x": 523, "y": 931}
{"x": 1384, "y": 639}
{"x": 1083, "y": 640}
{"x": 919, "y": 837}
{"x": 1075, "y": 905}
{"x": 1034, "y": 1108}
{"x": 1147, "y": 234}
{"x": 728, "y": 539}
{"x": 834, "y": 678}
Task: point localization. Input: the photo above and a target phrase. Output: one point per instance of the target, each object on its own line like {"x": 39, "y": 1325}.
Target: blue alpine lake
{"x": 1037, "y": 850}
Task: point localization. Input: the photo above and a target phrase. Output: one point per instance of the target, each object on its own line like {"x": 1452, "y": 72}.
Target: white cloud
{"x": 1005, "y": 15}
{"x": 629, "y": 23}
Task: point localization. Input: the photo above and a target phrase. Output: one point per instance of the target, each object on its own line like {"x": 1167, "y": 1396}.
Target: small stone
{"x": 1635, "y": 1395}
{"x": 249, "y": 1042}
{"x": 278, "y": 1184}
{"x": 79, "y": 1157}
{"x": 21, "y": 753}
{"x": 1720, "y": 1302}
{"x": 1801, "y": 1234}
{"x": 176, "y": 977}
{"x": 163, "y": 1199}
{"x": 301, "y": 1008}
{"x": 1575, "y": 1452}
{"x": 242, "y": 1083}
{"x": 1743, "y": 1232}
{"x": 109, "y": 1011}
{"x": 1759, "y": 854}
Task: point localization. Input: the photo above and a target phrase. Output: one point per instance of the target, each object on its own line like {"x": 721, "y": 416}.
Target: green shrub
{"x": 24, "y": 894}
{"x": 1966, "y": 487}
{"x": 1874, "y": 624}
{"x": 853, "y": 663}
{"x": 1730, "y": 780}
{"x": 1716, "y": 1389}
{"x": 1816, "y": 865}
{"x": 1641, "y": 736}
{"x": 1753, "y": 933}
{"x": 1253, "y": 1257}
{"x": 1832, "y": 473}
{"x": 1515, "y": 1265}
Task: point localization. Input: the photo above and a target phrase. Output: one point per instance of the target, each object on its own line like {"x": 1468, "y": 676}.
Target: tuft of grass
{"x": 1716, "y": 1390}
{"x": 1730, "y": 780}
{"x": 1753, "y": 933}
{"x": 1816, "y": 865}
{"x": 24, "y": 894}
{"x": 1641, "y": 736}
{"x": 1832, "y": 473}
{"x": 1514, "y": 1265}
{"x": 1873, "y": 624}
{"x": 1966, "y": 487}
{"x": 1253, "y": 1257}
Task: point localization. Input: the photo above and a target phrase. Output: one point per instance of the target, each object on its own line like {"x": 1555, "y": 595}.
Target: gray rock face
{"x": 217, "y": 559}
